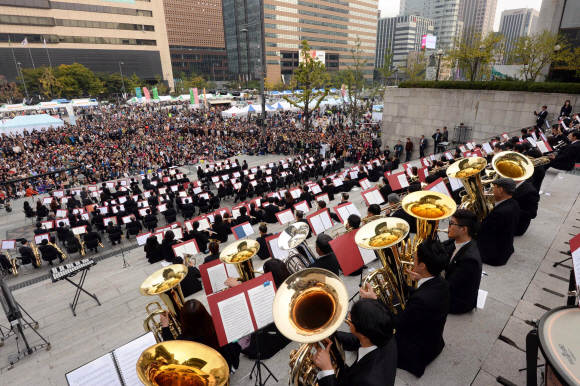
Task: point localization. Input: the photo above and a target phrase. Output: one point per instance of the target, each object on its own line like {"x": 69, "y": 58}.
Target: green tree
{"x": 536, "y": 51}
{"x": 387, "y": 69}
{"x": 50, "y": 86}
{"x": 472, "y": 51}
{"x": 134, "y": 82}
{"x": 573, "y": 61}
{"x": 310, "y": 74}
{"x": 416, "y": 66}
{"x": 9, "y": 91}
{"x": 31, "y": 77}
{"x": 81, "y": 81}
{"x": 355, "y": 82}
{"x": 162, "y": 89}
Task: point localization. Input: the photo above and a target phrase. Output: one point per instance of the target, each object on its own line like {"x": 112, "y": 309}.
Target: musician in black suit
{"x": 300, "y": 218}
{"x": 26, "y": 254}
{"x": 114, "y": 232}
{"x": 306, "y": 195}
{"x": 541, "y": 117}
{"x": 62, "y": 231}
{"x": 192, "y": 281}
{"x": 528, "y": 198}
{"x": 214, "y": 250}
{"x": 49, "y": 252}
{"x": 496, "y": 236}
{"x": 347, "y": 184}
{"x": 371, "y": 334}
{"x": 270, "y": 210}
{"x": 133, "y": 224}
{"x": 40, "y": 230}
{"x": 243, "y": 217}
{"x": 419, "y": 327}
{"x": 327, "y": 258}
{"x": 463, "y": 270}
{"x": 393, "y": 200}
{"x": 149, "y": 219}
{"x": 264, "y": 251}
{"x": 120, "y": 214}
{"x": 201, "y": 238}
{"x": 322, "y": 205}
{"x": 92, "y": 236}
{"x": 386, "y": 189}
{"x": 81, "y": 221}
{"x": 568, "y": 156}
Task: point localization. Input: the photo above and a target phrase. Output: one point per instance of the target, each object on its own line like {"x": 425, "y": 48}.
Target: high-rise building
{"x": 443, "y": 12}
{"x": 477, "y": 15}
{"x": 331, "y": 29}
{"x": 515, "y": 23}
{"x": 105, "y": 36}
{"x": 400, "y": 35}
{"x": 195, "y": 30}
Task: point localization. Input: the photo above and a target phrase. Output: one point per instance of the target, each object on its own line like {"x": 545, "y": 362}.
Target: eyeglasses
{"x": 458, "y": 225}
{"x": 347, "y": 320}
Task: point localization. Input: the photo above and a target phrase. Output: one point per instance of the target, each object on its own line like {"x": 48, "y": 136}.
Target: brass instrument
{"x": 240, "y": 254}
{"x": 62, "y": 255}
{"x": 15, "y": 263}
{"x": 82, "y": 251}
{"x": 165, "y": 284}
{"x": 544, "y": 160}
{"x": 150, "y": 325}
{"x": 101, "y": 245}
{"x": 428, "y": 208}
{"x": 293, "y": 238}
{"x": 468, "y": 171}
{"x": 510, "y": 164}
{"x": 308, "y": 308}
{"x": 36, "y": 253}
{"x": 188, "y": 258}
{"x": 184, "y": 362}
{"x": 383, "y": 235}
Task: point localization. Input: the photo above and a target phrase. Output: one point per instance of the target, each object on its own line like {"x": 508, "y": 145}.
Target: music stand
{"x": 258, "y": 364}
{"x": 360, "y": 282}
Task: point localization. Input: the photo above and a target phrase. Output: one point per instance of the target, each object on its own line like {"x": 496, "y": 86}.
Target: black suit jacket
{"x": 191, "y": 283}
{"x": 420, "y": 326}
{"x": 271, "y": 211}
{"x": 200, "y": 239}
{"x": 347, "y": 185}
{"x": 377, "y": 368}
{"x": 328, "y": 262}
{"x": 408, "y": 218}
{"x": 528, "y": 198}
{"x": 264, "y": 252}
{"x": 496, "y": 236}
{"x": 463, "y": 275}
{"x": 567, "y": 157}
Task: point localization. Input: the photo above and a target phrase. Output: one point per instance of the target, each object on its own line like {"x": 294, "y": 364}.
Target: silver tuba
{"x": 293, "y": 239}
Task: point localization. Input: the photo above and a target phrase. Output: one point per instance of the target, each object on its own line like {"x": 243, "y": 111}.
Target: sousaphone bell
{"x": 240, "y": 254}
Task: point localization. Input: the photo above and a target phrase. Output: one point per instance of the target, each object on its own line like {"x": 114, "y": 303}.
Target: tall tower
{"x": 515, "y": 23}
{"x": 477, "y": 15}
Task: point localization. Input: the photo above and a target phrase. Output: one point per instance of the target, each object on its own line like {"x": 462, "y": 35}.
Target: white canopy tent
{"x": 234, "y": 112}
{"x": 19, "y": 124}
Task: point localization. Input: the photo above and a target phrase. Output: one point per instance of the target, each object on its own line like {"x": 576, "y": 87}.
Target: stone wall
{"x": 411, "y": 112}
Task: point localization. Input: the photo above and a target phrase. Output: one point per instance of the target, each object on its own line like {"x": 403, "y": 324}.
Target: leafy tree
{"x": 31, "y": 77}
{"x": 162, "y": 89}
{"x": 387, "y": 69}
{"x": 572, "y": 60}
{"x": 81, "y": 81}
{"x": 473, "y": 50}
{"x": 135, "y": 82}
{"x": 536, "y": 51}
{"x": 50, "y": 86}
{"x": 9, "y": 91}
{"x": 416, "y": 67}
{"x": 354, "y": 79}
{"x": 310, "y": 74}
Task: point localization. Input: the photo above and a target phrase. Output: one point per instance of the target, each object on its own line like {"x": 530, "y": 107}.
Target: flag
{"x": 24, "y": 42}
{"x": 44, "y": 43}
{"x": 204, "y": 98}
{"x": 195, "y": 96}
{"x": 147, "y": 95}
{"x": 9, "y": 43}
{"x": 155, "y": 93}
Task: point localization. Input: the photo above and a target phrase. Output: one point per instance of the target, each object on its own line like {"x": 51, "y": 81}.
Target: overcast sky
{"x": 391, "y": 7}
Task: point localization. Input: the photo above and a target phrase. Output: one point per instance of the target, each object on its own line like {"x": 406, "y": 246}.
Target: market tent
{"x": 275, "y": 92}
{"x": 233, "y": 112}
{"x": 18, "y": 124}
{"x": 83, "y": 102}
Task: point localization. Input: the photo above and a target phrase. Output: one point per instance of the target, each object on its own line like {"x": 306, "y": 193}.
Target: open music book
{"x": 119, "y": 367}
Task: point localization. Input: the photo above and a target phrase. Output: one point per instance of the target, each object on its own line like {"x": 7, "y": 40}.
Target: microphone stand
{"x": 125, "y": 262}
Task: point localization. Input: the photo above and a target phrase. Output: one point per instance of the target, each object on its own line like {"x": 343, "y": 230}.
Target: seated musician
{"x": 40, "y": 230}
{"x": 243, "y": 217}
{"x": 495, "y": 239}
{"x": 5, "y": 263}
{"x": 80, "y": 220}
{"x": 300, "y": 218}
{"x": 270, "y": 211}
{"x": 386, "y": 189}
{"x": 26, "y": 254}
{"x": 371, "y": 334}
{"x": 152, "y": 250}
{"x": 114, "y": 232}
{"x": 192, "y": 281}
{"x": 568, "y": 156}
{"x": 91, "y": 236}
{"x": 264, "y": 251}
{"x": 529, "y": 199}
{"x": 197, "y": 326}
{"x": 49, "y": 252}
{"x": 322, "y": 205}
{"x": 72, "y": 240}
{"x": 372, "y": 211}
{"x": 463, "y": 270}
{"x": 62, "y": 230}
{"x": 327, "y": 258}
{"x": 214, "y": 250}
{"x": 420, "y": 325}
{"x": 133, "y": 225}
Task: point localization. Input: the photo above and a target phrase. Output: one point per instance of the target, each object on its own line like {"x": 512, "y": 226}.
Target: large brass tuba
{"x": 184, "y": 362}
{"x": 293, "y": 239}
{"x": 240, "y": 254}
{"x": 308, "y": 308}
{"x": 511, "y": 164}
{"x": 468, "y": 171}
{"x": 165, "y": 284}
{"x": 383, "y": 235}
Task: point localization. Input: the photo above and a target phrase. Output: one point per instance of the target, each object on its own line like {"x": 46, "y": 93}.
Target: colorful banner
{"x": 147, "y": 95}
{"x": 204, "y": 98}
{"x": 138, "y": 93}
{"x": 155, "y": 93}
{"x": 191, "y": 99}
{"x": 195, "y": 96}
{"x": 343, "y": 90}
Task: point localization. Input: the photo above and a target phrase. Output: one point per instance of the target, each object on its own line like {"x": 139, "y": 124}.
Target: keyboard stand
{"x": 79, "y": 286}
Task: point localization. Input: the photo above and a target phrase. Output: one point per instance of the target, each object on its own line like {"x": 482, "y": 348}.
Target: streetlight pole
{"x": 23, "y": 82}
{"x": 122, "y": 80}
{"x": 439, "y": 53}
{"x": 247, "y": 53}
{"x": 263, "y": 68}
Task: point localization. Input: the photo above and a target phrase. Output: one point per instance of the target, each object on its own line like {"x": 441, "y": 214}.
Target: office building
{"x": 101, "y": 35}
{"x": 515, "y": 23}
{"x": 400, "y": 35}
{"x": 444, "y": 13}
{"x": 331, "y": 29}
{"x": 477, "y": 15}
{"x": 195, "y": 30}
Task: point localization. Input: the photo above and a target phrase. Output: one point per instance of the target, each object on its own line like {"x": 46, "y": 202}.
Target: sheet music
{"x": 403, "y": 180}
{"x": 235, "y": 316}
{"x": 85, "y": 216}
{"x": 61, "y": 212}
{"x": 317, "y": 225}
{"x": 187, "y": 248}
{"x": 441, "y": 188}
{"x": 371, "y": 198}
{"x": 337, "y": 182}
{"x": 315, "y": 189}
{"x": 285, "y": 217}
{"x": 542, "y": 147}
{"x": 128, "y": 355}
{"x": 217, "y": 277}
{"x": 303, "y": 206}
{"x": 147, "y": 194}
{"x": 455, "y": 183}
{"x": 64, "y": 220}
{"x": 248, "y": 229}
{"x": 38, "y": 238}
{"x": 100, "y": 372}
{"x": 8, "y": 244}
{"x": 326, "y": 221}
{"x": 262, "y": 300}
{"x": 142, "y": 239}
{"x": 162, "y": 207}
{"x": 378, "y": 197}
{"x": 47, "y": 200}
{"x": 122, "y": 199}
{"x": 159, "y": 236}
{"x": 203, "y": 224}
{"x": 365, "y": 184}
{"x": 368, "y": 255}
{"x": 178, "y": 232}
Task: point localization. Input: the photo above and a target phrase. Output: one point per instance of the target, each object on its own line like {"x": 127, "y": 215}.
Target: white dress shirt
{"x": 362, "y": 351}
{"x": 423, "y": 280}
{"x": 458, "y": 246}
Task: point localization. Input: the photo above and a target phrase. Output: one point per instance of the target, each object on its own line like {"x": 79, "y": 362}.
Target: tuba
{"x": 150, "y": 325}
{"x": 184, "y": 362}
{"x": 293, "y": 239}
{"x": 383, "y": 235}
{"x": 165, "y": 284}
{"x": 240, "y": 254}
{"x": 308, "y": 308}
{"x": 511, "y": 164}
{"x": 468, "y": 171}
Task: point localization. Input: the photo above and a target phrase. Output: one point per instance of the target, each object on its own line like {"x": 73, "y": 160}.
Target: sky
{"x": 391, "y": 7}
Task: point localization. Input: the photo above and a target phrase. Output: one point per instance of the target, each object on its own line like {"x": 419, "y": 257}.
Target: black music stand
{"x": 360, "y": 282}
{"x": 258, "y": 364}
{"x": 79, "y": 286}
